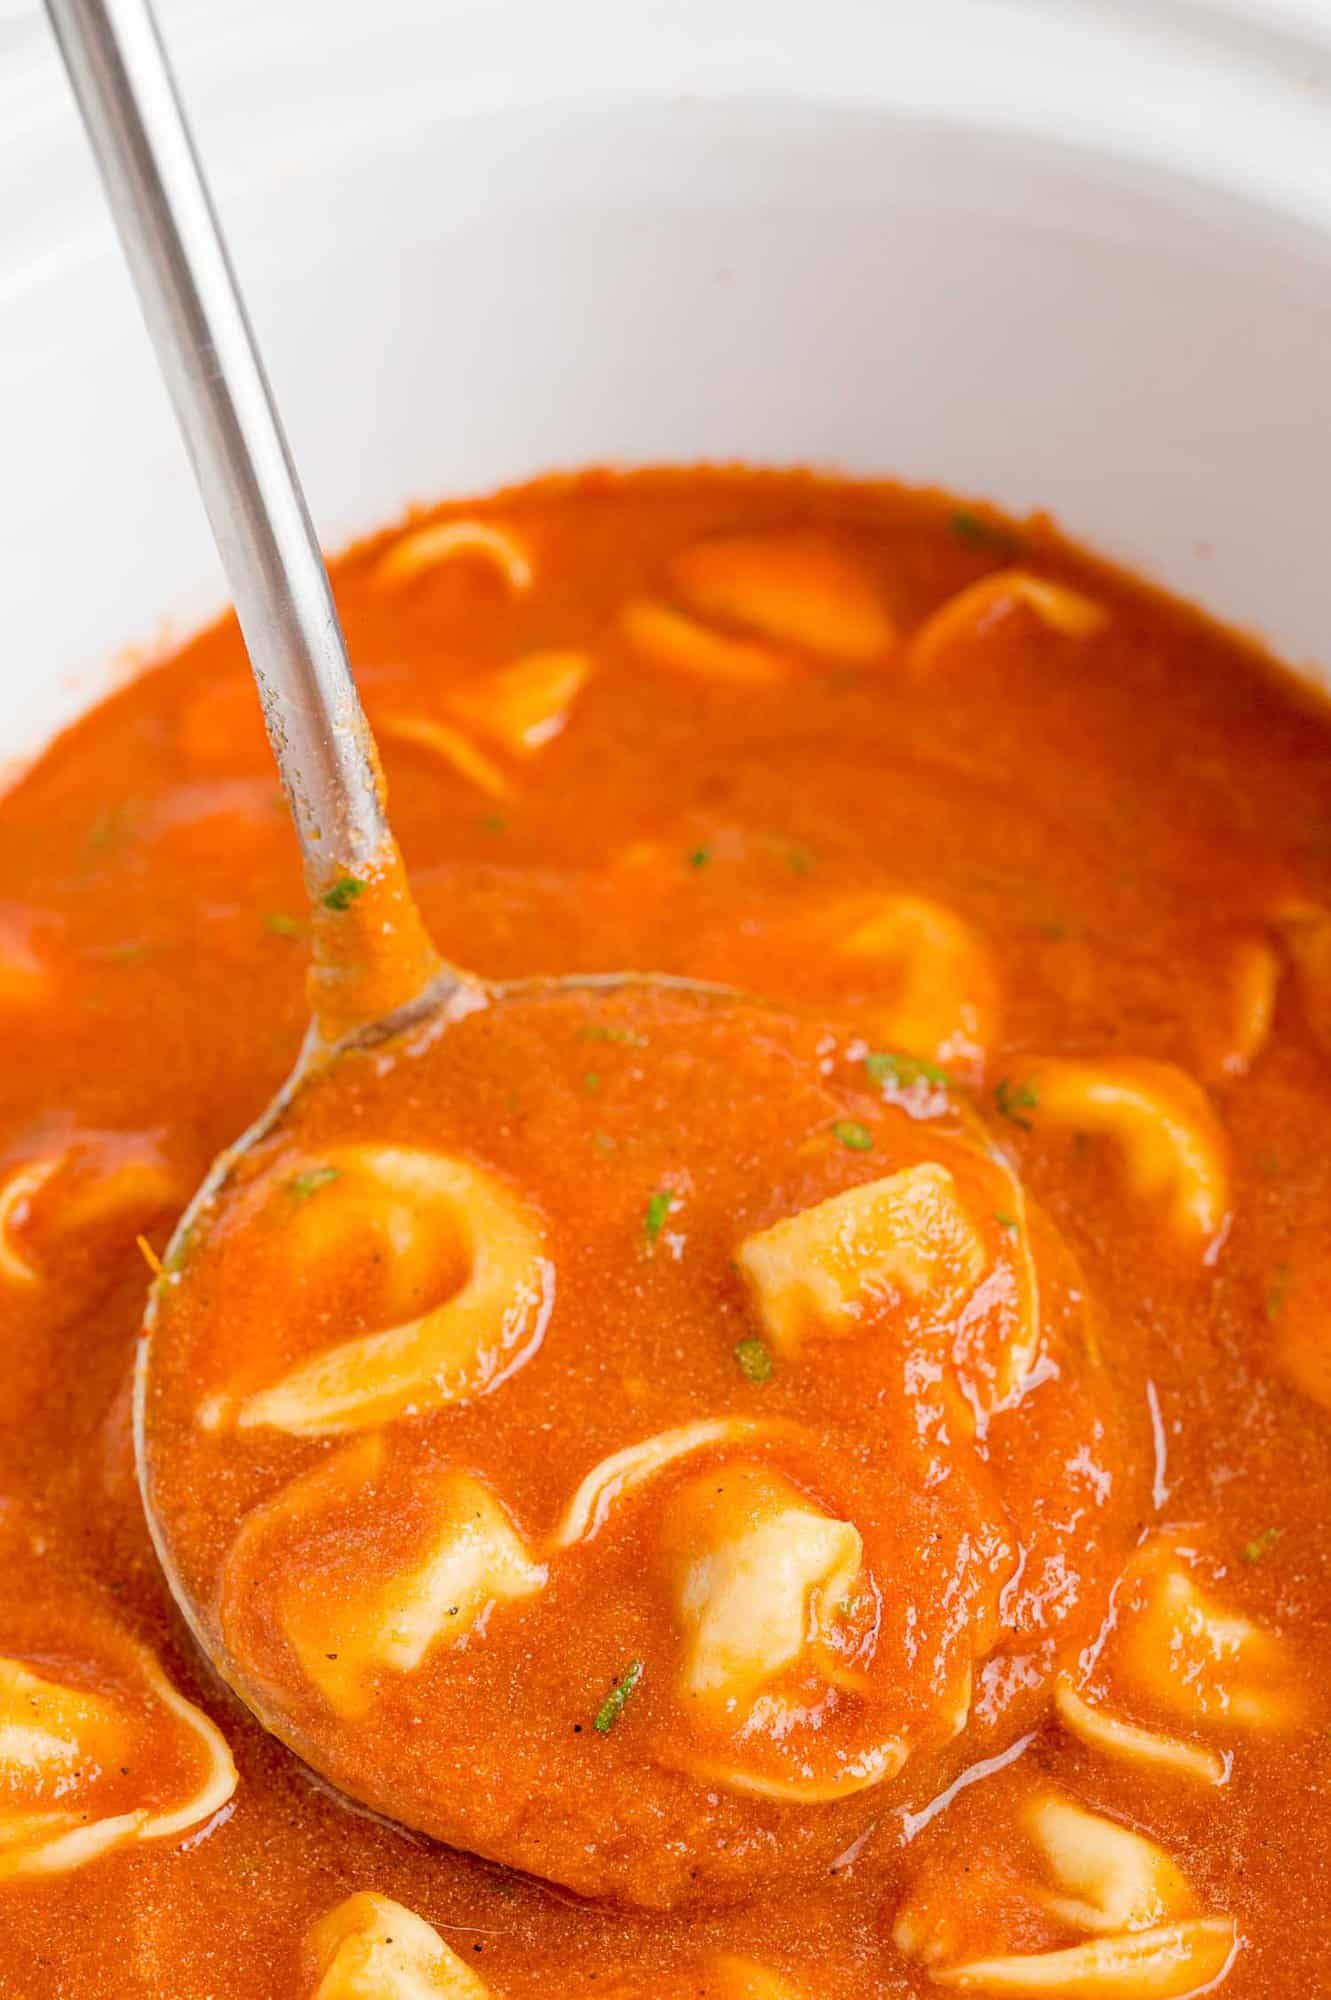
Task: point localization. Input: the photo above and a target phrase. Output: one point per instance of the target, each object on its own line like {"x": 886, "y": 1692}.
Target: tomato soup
{"x": 784, "y": 1497}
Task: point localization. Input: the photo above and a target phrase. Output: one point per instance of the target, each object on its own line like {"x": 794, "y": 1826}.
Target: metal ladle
{"x": 316, "y": 726}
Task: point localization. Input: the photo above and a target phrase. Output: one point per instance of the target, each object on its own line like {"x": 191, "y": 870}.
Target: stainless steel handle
{"x": 206, "y": 350}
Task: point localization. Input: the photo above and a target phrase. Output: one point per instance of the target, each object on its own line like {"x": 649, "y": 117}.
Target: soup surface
{"x": 839, "y": 1482}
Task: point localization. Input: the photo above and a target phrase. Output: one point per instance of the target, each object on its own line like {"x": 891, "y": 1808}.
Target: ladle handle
{"x": 207, "y": 354}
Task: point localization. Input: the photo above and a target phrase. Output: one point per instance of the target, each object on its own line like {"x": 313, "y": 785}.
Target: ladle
{"x": 347, "y": 1448}
{"x": 374, "y": 967}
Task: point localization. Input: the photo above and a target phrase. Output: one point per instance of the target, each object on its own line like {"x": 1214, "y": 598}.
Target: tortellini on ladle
{"x": 382, "y": 1564}
{"x": 904, "y": 1240}
{"x": 758, "y": 1573}
{"x": 410, "y": 1200}
{"x": 764, "y": 1585}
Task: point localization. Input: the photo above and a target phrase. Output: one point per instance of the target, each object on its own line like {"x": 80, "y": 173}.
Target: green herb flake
{"x": 659, "y": 1204}
{"x": 343, "y": 893}
{"x": 1014, "y": 1100}
{"x": 893, "y": 1066}
{"x": 851, "y": 1133}
{"x": 592, "y": 1081}
{"x": 1008, "y": 1222}
{"x": 279, "y": 924}
{"x": 755, "y": 1359}
{"x": 1277, "y": 1291}
{"x": 974, "y": 532}
{"x": 494, "y": 823}
{"x": 610, "y": 1031}
{"x": 800, "y": 860}
{"x": 608, "y": 1714}
{"x": 301, "y": 1186}
{"x": 1261, "y": 1544}
{"x": 700, "y": 857}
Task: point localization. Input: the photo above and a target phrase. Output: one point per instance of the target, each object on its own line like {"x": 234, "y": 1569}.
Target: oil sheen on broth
{"x": 837, "y": 1484}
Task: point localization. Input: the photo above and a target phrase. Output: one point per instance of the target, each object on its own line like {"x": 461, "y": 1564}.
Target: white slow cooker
{"x": 1068, "y": 255}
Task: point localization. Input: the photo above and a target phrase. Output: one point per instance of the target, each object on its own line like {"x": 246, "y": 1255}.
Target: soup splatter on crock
{"x": 836, "y": 1484}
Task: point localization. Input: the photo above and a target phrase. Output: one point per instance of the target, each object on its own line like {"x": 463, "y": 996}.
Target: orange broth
{"x": 1034, "y": 882}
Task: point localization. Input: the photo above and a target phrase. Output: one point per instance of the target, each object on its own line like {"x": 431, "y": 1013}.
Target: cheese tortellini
{"x": 451, "y": 745}
{"x": 915, "y": 973}
{"x": 1107, "y": 1878}
{"x": 17, "y": 1192}
{"x": 1250, "y": 977}
{"x": 745, "y": 606}
{"x": 96, "y": 1179}
{"x": 774, "y": 1509}
{"x": 1130, "y": 1743}
{"x": 418, "y": 550}
{"x": 764, "y": 1586}
{"x": 616, "y": 1477}
{"x": 1137, "y": 1928}
{"x": 903, "y": 1242}
{"x": 1167, "y": 1962}
{"x": 382, "y": 1565}
{"x": 516, "y": 710}
{"x": 939, "y": 994}
{"x": 669, "y": 638}
{"x": 410, "y": 1201}
{"x": 1176, "y": 1652}
{"x": 99, "y": 1756}
{"x": 1174, "y": 1149}
{"x": 1180, "y": 1649}
{"x": 797, "y": 589}
{"x": 1061, "y": 609}
{"x": 371, "y": 1948}
{"x": 525, "y": 705}
{"x": 758, "y": 1574}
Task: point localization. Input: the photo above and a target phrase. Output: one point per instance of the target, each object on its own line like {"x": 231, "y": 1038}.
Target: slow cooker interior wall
{"x": 452, "y": 303}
